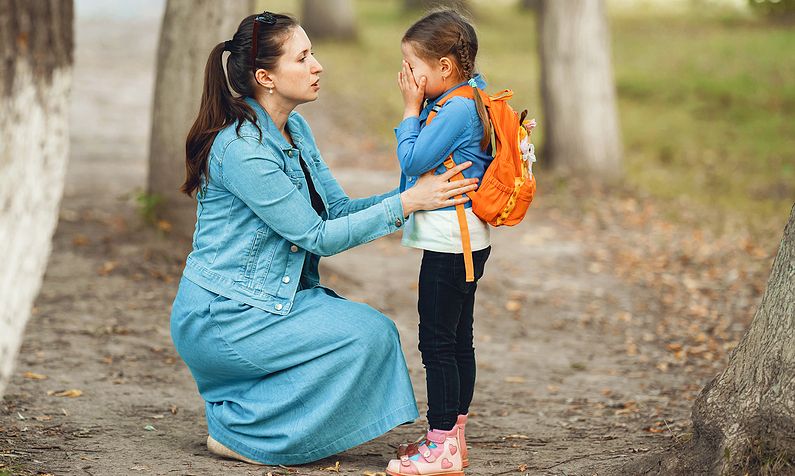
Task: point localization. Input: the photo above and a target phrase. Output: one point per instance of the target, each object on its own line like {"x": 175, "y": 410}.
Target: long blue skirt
{"x": 293, "y": 389}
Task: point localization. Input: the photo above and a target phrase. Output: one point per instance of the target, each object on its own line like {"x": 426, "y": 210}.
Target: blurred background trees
{"x": 580, "y": 120}
{"x": 37, "y": 47}
{"x": 329, "y": 19}
{"x": 191, "y": 28}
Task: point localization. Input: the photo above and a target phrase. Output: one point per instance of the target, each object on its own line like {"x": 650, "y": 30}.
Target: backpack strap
{"x": 466, "y": 243}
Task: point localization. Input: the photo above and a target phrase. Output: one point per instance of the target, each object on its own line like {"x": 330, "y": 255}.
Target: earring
{"x": 270, "y": 90}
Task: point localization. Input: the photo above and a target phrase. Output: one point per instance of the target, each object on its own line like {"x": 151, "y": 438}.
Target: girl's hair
{"x": 446, "y": 33}
{"x": 219, "y": 107}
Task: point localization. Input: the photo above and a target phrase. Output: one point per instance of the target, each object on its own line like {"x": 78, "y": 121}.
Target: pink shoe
{"x": 438, "y": 455}
{"x": 413, "y": 448}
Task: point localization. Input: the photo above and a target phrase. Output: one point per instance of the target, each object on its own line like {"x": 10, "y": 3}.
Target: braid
{"x": 464, "y": 55}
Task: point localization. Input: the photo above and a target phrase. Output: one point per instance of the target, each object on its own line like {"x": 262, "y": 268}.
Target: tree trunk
{"x": 329, "y": 19}
{"x": 580, "y": 120}
{"x": 744, "y": 419}
{"x": 191, "y": 28}
{"x": 37, "y": 44}
{"x": 530, "y": 4}
{"x": 460, "y": 5}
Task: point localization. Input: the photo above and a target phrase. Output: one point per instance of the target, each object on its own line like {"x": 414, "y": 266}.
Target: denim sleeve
{"x": 422, "y": 149}
{"x": 255, "y": 176}
{"x": 339, "y": 203}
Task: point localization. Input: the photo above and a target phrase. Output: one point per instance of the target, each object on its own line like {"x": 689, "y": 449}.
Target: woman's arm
{"x": 339, "y": 203}
{"x": 255, "y": 176}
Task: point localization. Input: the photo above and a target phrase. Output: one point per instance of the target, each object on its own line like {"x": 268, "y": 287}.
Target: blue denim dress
{"x": 290, "y": 371}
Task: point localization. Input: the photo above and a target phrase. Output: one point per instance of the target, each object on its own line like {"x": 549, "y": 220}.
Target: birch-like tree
{"x": 580, "y": 120}
{"x": 36, "y": 40}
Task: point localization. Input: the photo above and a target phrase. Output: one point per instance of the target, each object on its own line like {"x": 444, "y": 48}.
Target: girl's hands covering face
{"x": 413, "y": 91}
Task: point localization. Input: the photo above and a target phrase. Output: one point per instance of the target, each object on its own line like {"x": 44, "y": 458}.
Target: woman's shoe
{"x": 412, "y": 448}
{"x": 221, "y": 450}
{"x": 438, "y": 455}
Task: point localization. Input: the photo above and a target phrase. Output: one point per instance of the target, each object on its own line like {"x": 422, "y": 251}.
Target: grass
{"x": 706, "y": 100}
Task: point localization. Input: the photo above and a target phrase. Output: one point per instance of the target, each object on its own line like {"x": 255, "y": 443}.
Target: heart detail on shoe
{"x": 446, "y": 464}
{"x": 453, "y": 450}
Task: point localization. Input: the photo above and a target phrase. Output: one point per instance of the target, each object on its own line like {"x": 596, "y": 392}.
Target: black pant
{"x": 446, "y": 305}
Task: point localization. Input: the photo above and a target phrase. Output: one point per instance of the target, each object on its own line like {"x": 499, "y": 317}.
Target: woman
{"x": 290, "y": 372}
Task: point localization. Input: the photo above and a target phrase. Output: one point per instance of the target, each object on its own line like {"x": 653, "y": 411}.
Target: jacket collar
{"x": 269, "y": 129}
{"x": 432, "y": 102}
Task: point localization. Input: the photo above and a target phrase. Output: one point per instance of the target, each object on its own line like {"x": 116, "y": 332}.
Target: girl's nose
{"x": 318, "y": 68}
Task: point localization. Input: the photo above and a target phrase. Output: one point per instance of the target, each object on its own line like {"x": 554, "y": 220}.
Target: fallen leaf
{"x": 515, "y": 379}
{"x": 71, "y": 393}
{"x": 80, "y": 240}
{"x": 107, "y": 268}
{"x": 522, "y": 468}
{"x": 174, "y": 409}
{"x": 335, "y": 468}
{"x": 513, "y": 305}
{"x": 149, "y": 428}
{"x": 34, "y": 376}
{"x": 164, "y": 225}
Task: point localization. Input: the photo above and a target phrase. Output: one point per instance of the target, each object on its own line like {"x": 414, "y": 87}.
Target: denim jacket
{"x": 456, "y": 130}
{"x": 257, "y": 237}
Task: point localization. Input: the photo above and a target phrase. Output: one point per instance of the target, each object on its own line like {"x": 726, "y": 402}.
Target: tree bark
{"x": 580, "y": 121}
{"x": 191, "y": 28}
{"x": 460, "y": 5}
{"x": 744, "y": 419}
{"x": 329, "y": 19}
{"x": 36, "y": 40}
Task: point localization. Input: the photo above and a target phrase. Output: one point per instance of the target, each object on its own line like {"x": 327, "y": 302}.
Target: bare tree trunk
{"x": 580, "y": 117}
{"x": 36, "y": 41}
{"x": 460, "y": 5}
{"x": 744, "y": 419}
{"x": 530, "y": 4}
{"x": 191, "y": 28}
{"x": 329, "y": 19}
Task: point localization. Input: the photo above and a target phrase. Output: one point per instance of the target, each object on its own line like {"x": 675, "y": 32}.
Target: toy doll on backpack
{"x": 455, "y": 125}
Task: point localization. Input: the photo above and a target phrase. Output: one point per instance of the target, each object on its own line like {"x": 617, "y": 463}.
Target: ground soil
{"x": 576, "y": 376}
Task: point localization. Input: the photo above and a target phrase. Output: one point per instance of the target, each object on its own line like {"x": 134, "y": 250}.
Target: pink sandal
{"x": 413, "y": 448}
{"x": 438, "y": 455}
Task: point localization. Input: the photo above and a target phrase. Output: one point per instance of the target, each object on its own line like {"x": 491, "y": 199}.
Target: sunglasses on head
{"x": 265, "y": 18}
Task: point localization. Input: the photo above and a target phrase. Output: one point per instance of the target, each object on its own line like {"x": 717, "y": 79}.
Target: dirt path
{"x": 572, "y": 376}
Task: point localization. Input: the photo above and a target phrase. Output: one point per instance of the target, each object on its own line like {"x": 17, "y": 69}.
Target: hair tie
{"x": 228, "y": 45}
{"x": 472, "y": 83}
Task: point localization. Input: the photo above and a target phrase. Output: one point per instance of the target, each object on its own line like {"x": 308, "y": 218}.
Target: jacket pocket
{"x": 258, "y": 260}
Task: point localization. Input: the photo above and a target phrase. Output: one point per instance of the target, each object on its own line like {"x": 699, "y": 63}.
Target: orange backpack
{"x": 508, "y": 185}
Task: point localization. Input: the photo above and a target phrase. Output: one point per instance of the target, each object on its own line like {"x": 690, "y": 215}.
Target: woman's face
{"x": 296, "y": 77}
{"x": 433, "y": 73}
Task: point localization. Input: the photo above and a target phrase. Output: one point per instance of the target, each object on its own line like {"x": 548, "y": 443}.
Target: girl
{"x": 438, "y": 57}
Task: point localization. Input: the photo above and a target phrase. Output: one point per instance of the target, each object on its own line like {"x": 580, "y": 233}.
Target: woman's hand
{"x": 413, "y": 92}
{"x": 434, "y": 191}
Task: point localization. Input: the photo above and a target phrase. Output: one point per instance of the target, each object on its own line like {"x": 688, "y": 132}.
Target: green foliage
{"x": 775, "y": 9}
{"x": 148, "y": 205}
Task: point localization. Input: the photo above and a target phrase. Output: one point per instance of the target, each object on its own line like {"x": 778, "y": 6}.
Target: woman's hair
{"x": 447, "y": 33}
{"x": 219, "y": 107}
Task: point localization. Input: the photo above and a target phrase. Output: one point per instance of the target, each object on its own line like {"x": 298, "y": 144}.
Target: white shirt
{"x": 438, "y": 230}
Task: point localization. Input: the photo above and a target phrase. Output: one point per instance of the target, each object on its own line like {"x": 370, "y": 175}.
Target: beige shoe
{"x": 221, "y": 450}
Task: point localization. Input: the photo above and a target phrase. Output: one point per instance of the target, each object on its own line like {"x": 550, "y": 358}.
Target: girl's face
{"x": 436, "y": 73}
{"x": 296, "y": 77}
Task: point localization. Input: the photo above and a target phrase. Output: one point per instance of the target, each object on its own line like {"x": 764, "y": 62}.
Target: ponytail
{"x": 483, "y": 114}
{"x": 218, "y": 108}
